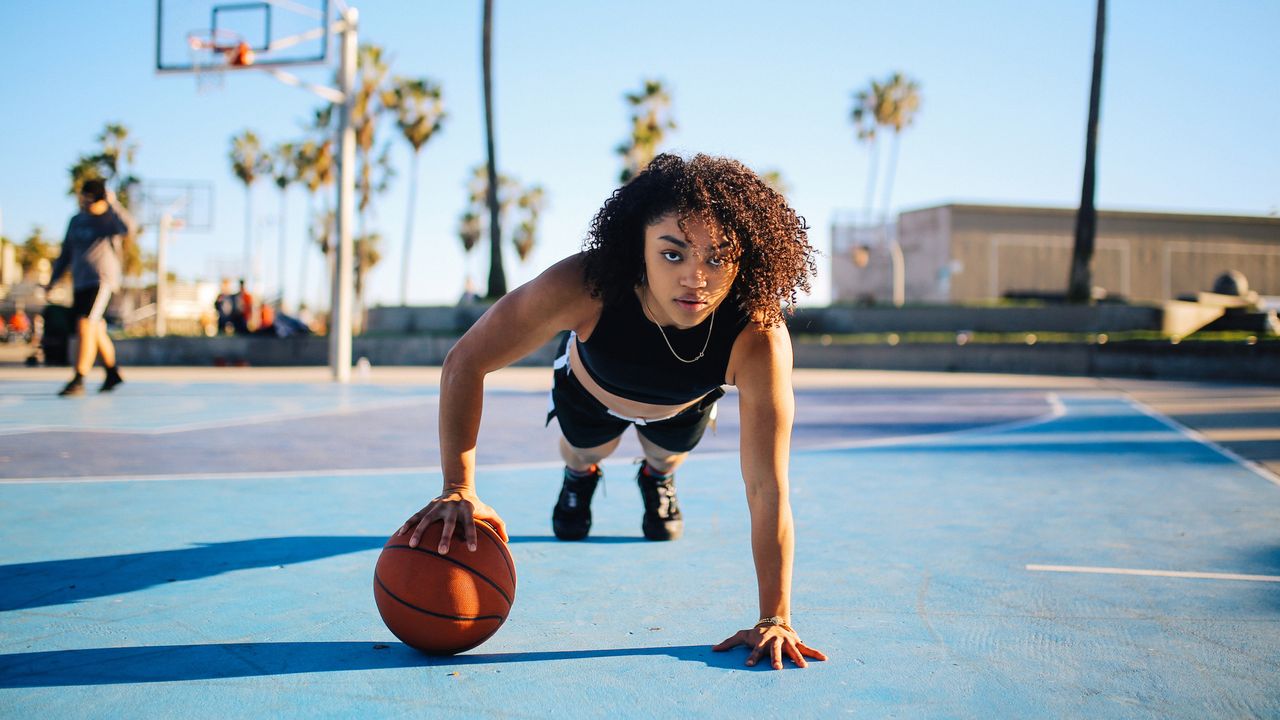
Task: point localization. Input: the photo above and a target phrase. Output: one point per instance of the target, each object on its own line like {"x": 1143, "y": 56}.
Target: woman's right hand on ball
{"x": 453, "y": 508}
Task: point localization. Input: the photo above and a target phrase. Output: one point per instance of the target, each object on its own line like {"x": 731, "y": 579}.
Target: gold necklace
{"x": 644, "y": 299}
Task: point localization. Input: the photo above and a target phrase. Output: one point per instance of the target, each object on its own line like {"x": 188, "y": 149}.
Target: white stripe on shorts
{"x": 100, "y": 303}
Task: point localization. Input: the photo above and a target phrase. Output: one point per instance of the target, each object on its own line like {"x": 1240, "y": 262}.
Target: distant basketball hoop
{"x": 212, "y": 52}
{"x": 271, "y": 35}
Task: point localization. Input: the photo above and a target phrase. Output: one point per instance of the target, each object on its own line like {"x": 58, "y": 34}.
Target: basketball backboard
{"x": 193, "y": 36}
{"x": 188, "y": 203}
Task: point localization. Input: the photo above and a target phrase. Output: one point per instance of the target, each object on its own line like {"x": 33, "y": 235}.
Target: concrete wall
{"x": 1085, "y": 319}
{"x": 282, "y": 352}
{"x": 409, "y": 320}
{"x": 1187, "y": 361}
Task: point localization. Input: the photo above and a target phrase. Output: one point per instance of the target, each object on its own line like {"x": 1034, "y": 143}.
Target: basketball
{"x": 444, "y": 604}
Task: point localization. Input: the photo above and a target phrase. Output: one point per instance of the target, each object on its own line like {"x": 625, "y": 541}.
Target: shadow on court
{"x": 57, "y": 582}
{"x": 176, "y": 663}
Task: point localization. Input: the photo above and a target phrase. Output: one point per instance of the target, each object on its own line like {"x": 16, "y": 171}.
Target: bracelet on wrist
{"x": 774, "y": 620}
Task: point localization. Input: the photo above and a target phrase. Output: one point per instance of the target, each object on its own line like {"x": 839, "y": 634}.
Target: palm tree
{"x": 118, "y": 153}
{"x": 368, "y": 252}
{"x": 650, "y": 121}
{"x": 284, "y": 171}
{"x": 525, "y": 236}
{"x": 324, "y": 232}
{"x": 865, "y": 122}
{"x": 317, "y": 171}
{"x": 248, "y": 162}
{"x": 897, "y": 112}
{"x": 373, "y": 174}
{"x": 470, "y": 228}
{"x": 775, "y": 181}
{"x": 892, "y": 105}
{"x": 497, "y": 277}
{"x": 1080, "y": 284}
{"x": 419, "y": 113}
{"x": 371, "y": 73}
{"x": 36, "y": 248}
{"x": 510, "y": 194}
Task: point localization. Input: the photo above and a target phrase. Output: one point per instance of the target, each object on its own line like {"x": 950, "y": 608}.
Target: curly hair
{"x": 766, "y": 239}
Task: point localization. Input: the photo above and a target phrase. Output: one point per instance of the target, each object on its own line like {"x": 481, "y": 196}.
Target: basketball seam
{"x": 506, "y": 556}
{"x": 460, "y": 564}
{"x": 443, "y": 616}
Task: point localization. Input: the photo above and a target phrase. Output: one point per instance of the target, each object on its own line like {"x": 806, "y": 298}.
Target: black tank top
{"x": 627, "y": 356}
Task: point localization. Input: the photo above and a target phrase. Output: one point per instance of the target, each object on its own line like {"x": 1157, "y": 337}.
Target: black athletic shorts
{"x": 90, "y": 302}
{"x": 587, "y": 423}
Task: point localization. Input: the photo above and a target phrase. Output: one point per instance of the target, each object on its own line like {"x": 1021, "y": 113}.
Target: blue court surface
{"x": 206, "y": 549}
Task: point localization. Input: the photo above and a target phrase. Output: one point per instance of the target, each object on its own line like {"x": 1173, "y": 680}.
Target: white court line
{"x": 1058, "y": 409}
{"x": 1257, "y": 468}
{"x": 1153, "y": 573}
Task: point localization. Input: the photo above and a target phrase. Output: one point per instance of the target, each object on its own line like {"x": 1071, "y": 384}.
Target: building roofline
{"x": 1126, "y": 214}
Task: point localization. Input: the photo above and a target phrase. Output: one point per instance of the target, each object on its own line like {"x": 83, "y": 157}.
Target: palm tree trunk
{"x": 247, "y": 272}
{"x": 357, "y": 321}
{"x": 408, "y": 231}
{"x": 331, "y": 267}
{"x": 1080, "y": 284}
{"x": 280, "y": 257}
{"x": 872, "y": 174}
{"x": 304, "y": 257}
{"x": 497, "y": 278}
{"x": 890, "y": 172}
{"x": 895, "y": 250}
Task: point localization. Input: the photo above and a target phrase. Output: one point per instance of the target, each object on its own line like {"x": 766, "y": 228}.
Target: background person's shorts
{"x": 91, "y": 302}
{"x": 586, "y": 422}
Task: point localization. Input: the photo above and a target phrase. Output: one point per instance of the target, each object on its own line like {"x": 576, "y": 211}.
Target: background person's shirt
{"x": 92, "y": 248}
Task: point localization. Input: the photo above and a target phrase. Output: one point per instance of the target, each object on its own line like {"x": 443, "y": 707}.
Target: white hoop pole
{"x": 344, "y": 275}
{"x": 162, "y": 289}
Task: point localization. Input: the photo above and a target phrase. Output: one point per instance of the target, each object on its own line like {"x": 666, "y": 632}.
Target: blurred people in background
{"x": 224, "y": 306}
{"x": 242, "y": 317}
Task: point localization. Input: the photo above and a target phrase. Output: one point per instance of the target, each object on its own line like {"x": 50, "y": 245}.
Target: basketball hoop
{"x": 213, "y": 52}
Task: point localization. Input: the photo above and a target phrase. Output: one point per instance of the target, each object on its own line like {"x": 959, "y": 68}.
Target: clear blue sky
{"x": 1189, "y": 112}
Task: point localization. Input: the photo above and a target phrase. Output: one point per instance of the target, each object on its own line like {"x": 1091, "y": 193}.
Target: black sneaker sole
{"x": 569, "y": 535}
{"x": 670, "y": 530}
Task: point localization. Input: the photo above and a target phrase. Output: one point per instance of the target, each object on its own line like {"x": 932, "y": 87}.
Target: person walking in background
{"x": 91, "y": 250}
{"x": 242, "y": 311}
{"x": 225, "y": 306}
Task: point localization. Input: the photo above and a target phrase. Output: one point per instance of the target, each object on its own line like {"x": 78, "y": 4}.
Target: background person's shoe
{"x": 73, "y": 388}
{"x": 113, "y": 379}
{"x": 571, "y": 518}
{"x": 662, "y": 519}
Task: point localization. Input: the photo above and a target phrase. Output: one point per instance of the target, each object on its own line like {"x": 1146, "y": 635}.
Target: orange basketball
{"x": 444, "y": 604}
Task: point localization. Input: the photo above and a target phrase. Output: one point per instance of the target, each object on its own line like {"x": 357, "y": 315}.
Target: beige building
{"x": 979, "y": 253}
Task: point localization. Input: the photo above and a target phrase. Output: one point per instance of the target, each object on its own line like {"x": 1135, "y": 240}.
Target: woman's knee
{"x": 659, "y": 458}
{"x": 583, "y": 458}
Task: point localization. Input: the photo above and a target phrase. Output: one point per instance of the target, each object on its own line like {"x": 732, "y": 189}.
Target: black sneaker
{"x": 662, "y": 519}
{"x": 113, "y": 379}
{"x": 73, "y": 388}
{"x": 571, "y": 518}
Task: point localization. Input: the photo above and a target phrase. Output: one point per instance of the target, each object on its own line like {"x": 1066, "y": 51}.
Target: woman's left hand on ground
{"x": 774, "y": 642}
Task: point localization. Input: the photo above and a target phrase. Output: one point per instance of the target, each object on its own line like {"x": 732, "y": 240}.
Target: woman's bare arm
{"x": 519, "y": 323}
